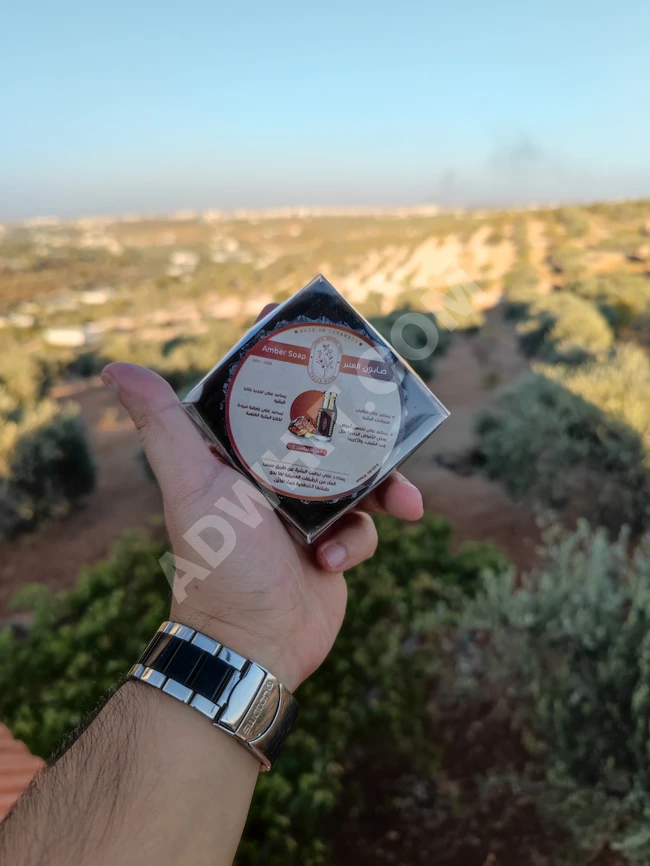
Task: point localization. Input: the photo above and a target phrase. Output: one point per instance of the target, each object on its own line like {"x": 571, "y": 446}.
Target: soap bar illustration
{"x": 303, "y": 426}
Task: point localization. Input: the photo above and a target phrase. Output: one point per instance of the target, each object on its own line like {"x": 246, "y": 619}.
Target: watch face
{"x": 314, "y": 407}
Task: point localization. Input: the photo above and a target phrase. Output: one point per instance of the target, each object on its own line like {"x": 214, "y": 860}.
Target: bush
{"x": 24, "y": 375}
{"x": 618, "y": 385}
{"x": 568, "y": 260}
{"x": 572, "y": 644}
{"x": 623, "y": 298}
{"x": 415, "y": 337}
{"x": 495, "y": 237}
{"x": 577, "y": 436}
{"x": 45, "y": 463}
{"x": 371, "y": 693}
{"x": 564, "y": 328}
{"x": 182, "y": 361}
{"x": 575, "y": 221}
{"x": 521, "y": 238}
{"x": 520, "y": 288}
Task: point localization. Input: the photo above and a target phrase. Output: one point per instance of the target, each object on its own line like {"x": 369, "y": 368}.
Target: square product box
{"x": 314, "y": 407}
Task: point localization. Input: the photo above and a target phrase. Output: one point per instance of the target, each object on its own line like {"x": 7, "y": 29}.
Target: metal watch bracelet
{"x": 239, "y": 696}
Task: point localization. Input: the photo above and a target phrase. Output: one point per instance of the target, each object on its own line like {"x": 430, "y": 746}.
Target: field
{"x": 524, "y": 594}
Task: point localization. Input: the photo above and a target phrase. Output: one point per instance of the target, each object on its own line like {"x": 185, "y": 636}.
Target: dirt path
{"x": 538, "y": 253}
{"x": 123, "y": 499}
{"x": 477, "y": 509}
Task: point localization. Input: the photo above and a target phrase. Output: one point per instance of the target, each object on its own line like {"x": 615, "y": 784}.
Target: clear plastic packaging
{"x": 315, "y": 407}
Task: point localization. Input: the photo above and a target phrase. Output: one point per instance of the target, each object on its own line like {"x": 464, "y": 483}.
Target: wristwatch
{"x": 239, "y": 696}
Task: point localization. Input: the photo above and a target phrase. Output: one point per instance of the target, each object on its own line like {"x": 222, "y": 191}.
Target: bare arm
{"x": 149, "y": 781}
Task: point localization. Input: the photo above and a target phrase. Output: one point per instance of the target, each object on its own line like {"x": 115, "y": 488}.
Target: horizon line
{"x": 303, "y": 211}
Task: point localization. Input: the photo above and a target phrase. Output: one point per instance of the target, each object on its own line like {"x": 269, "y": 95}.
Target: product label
{"x": 313, "y": 411}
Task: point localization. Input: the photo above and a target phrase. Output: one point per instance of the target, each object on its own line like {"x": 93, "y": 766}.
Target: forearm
{"x": 148, "y": 781}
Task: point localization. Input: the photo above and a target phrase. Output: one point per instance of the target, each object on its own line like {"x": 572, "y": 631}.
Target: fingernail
{"x": 334, "y": 554}
{"x": 404, "y": 480}
{"x": 109, "y": 381}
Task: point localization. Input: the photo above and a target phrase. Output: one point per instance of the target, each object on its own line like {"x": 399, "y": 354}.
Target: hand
{"x": 272, "y": 599}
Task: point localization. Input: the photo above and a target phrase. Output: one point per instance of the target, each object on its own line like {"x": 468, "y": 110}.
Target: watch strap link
{"x": 238, "y": 696}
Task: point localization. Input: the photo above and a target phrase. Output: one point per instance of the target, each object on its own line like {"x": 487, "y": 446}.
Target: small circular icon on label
{"x": 325, "y": 360}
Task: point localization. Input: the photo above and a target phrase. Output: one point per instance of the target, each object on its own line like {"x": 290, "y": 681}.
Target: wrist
{"x": 254, "y": 647}
{"x": 238, "y": 695}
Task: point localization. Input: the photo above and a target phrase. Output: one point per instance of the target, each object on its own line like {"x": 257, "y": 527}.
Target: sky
{"x": 150, "y": 107}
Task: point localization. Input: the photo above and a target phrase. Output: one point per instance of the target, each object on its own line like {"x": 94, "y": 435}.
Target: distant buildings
{"x": 226, "y": 249}
{"x": 76, "y": 336}
{"x": 213, "y": 215}
{"x": 61, "y": 301}
{"x": 182, "y": 263}
{"x": 98, "y": 238}
{"x": 184, "y": 215}
{"x": 17, "y": 320}
{"x": 94, "y": 297}
{"x": 42, "y": 222}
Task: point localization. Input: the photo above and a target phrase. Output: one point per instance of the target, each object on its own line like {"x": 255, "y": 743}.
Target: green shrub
{"x": 495, "y": 237}
{"x": 415, "y": 337}
{"x": 182, "y": 361}
{"x": 29, "y": 367}
{"x": 24, "y": 374}
{"x": 618, "y": 385}
{"x": 568, "y": 260}
{"x": 623, "y": 298}
{"x": 520, "y": 288}
{"x": 581, "y": 440}
{"x": 520, "y": 238}
{"x": 562, "y": 327}
{"x": 45, "y": 463}
{"x": 84, "y": 364}
{"x": 80, "y": 643}
{"x": 370, "y": 694}
{"x": 575, "y": 221}
{"x": 572, "y": 644}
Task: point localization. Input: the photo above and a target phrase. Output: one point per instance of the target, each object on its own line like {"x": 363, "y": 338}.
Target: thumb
{"x": 178, "y": 454}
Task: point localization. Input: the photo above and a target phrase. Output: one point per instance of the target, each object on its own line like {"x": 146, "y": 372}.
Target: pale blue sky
{"x": 153, "y": 106}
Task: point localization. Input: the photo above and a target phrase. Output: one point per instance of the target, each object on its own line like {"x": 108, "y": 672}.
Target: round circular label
{"x": 313, "y": 411}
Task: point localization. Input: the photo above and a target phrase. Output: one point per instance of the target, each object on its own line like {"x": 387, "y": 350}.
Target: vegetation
{"x": 370, "y": 694}
{"x": 572, "y": 644}
{"x": 26, "y": 371}
{"x": 574, "y": 221}
{"x": 624, "y": 298}
{"x": 45, "y": 463}
{"x": 576, "y": 436}
{"x": 567, "y": 259}
{"x": 45, "y": 460}
{"x": 564, "y": 328}
{"x": 520, "y": 286}
{"x": 565, "y": 648}
{"x": 416, "y": 338}
{"x": 180, "y": 360}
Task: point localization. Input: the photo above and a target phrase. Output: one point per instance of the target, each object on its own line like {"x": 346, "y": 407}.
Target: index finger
{"x": 397, "y": 496}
